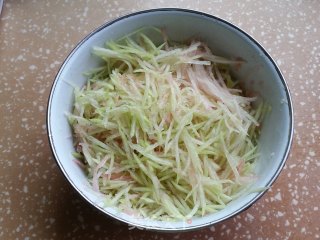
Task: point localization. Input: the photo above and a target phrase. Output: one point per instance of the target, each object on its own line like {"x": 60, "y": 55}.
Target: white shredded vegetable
{"x": 164, "y": 131}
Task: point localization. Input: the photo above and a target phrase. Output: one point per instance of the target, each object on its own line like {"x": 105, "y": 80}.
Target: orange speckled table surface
{"x": 36, "y": 202}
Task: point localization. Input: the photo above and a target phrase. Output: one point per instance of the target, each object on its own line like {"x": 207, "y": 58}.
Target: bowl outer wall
{"x": 259, "y": 74}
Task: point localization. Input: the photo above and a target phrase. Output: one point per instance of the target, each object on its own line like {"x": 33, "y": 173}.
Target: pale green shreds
{"x": 163, "y": 130}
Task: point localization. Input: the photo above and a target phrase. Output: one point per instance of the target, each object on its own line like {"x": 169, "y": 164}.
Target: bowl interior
{"x": 259, "y": 74}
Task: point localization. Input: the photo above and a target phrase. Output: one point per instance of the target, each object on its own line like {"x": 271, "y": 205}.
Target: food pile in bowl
{"x": 166, "y": 128}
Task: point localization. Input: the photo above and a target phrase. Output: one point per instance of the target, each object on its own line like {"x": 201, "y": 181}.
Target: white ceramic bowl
{"x": 260, "y": 74}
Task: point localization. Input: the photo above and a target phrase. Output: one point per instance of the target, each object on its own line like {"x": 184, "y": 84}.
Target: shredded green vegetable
{"x": 164, "y": 131}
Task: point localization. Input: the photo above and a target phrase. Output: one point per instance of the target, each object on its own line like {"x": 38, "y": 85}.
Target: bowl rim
{"x": 199, "y": 14}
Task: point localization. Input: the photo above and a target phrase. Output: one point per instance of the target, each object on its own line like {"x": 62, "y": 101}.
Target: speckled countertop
{"x": 36, "y": 202}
